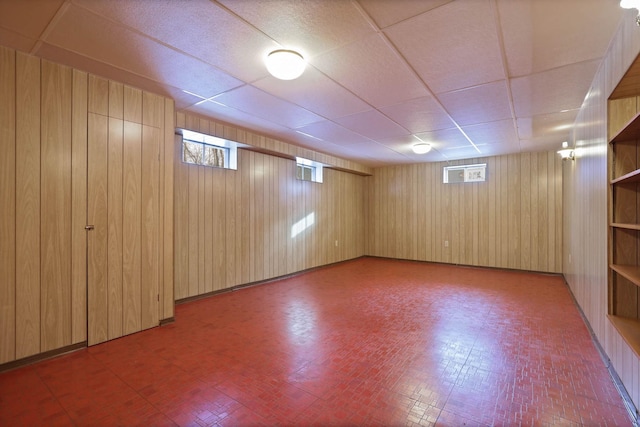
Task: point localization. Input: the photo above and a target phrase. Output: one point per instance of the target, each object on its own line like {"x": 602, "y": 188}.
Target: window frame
{"x": 480, "y": 170}
{"x": 230, "y": 148}
{"x": 315, "y": 168}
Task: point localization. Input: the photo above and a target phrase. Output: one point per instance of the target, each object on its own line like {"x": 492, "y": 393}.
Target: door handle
{"x": 89, "y": 227}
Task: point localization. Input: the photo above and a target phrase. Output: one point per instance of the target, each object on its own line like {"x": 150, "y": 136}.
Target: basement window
{"x": 308, "y": 170}
{"x": 207, "y": 150}
{"x": 464, "y": 173}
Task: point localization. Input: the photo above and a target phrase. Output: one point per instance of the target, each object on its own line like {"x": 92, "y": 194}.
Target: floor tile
{"x": 370, "y": 342}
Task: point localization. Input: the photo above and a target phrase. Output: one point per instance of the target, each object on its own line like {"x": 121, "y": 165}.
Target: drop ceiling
{"x": 470, "y": 77}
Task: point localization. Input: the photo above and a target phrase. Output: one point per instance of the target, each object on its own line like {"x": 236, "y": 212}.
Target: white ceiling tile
{"x": 545, "y": 143}
{"x": 235, "y": 117}
{"x": 198, "y": 27}
{"x": 541, "y": 35}
{"x": 363, "y": 95}
{"x": 82, "y": 32}
{"x": 334, "y": 133}
{"x": 554, "y": 90}
{"x": 315, "y": 92}
{"x": 557, "y": 124}
{"x": 459, "y": 153}
{"x": 260, "y": 104}
{"x": 419, "y": 115}
{"x": 378, "y": 152}
{"x": 28, "y": 18}
{"x": 310, "y": 26}
{"x": 500, "y": 132}
{"x": 404, "y": 144}
{"x": 15, "y": 40}
{"x": 478, "y": 104}
{"x": 452, "y": 47}
{"x": 386, "y": 13}
{"x": 497, "y": 150}
{"x": 444, "y": 138}
{"x": 370, "y": 69}
{"x": 372, "y": 124}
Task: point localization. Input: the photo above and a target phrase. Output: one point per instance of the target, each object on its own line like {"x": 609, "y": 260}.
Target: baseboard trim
{"x": 42, "y": 356}
{"x": 626, "y": 398}
{"x": 262, "y": 282}
{"x": 167, "y": 321}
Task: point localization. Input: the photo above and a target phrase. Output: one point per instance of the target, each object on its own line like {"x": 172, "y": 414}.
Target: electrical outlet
{"x": 336, "y": 243}
{"x": 446, "y": 243}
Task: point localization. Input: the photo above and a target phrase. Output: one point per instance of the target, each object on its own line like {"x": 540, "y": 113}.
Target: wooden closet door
{"x": 123, "y": 209}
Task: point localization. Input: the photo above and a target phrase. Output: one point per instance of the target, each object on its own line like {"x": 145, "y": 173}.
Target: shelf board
{"x": 629, "y": 272}
{"x": 627, "y": 226}
{"x": 627, "y": 178}
{"x": 628, "y": 132}
{"x": 629, "y": 329}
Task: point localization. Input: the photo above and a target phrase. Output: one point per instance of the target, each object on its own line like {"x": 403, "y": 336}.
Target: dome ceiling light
{"x": 421, "y": 148}
{"x": 285, "y": 64}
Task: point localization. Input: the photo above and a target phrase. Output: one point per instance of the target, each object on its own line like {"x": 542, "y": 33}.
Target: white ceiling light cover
{"x": 285, "y": 64}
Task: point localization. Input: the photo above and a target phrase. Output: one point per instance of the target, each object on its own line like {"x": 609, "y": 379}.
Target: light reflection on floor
{"x": 368, "y": 342}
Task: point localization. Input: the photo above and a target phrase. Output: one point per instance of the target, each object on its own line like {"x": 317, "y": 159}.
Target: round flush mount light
{"x": 285, "y": 64}
{"x": 421, "y": 148}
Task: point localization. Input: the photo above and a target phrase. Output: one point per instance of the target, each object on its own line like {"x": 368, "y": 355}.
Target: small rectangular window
{"x": 308, "y": 170}
{"x": 206, "y": 150}
{"x": 464, "y": 173}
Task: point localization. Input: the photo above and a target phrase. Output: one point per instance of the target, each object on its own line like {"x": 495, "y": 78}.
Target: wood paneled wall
{"x": 512, "y": 220}
{"x": 130, "y": 145}
{"x": 585, "y": 206}
{"x": 235, "y": 227}
{"x": 44, "y": 122}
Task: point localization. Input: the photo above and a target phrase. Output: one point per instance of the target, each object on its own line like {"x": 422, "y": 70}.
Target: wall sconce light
{"x": 567, "y": 153}
{"x": 421, "y": 148}
{"x": 285, "y": 64}
{"x": 632, "y": 4}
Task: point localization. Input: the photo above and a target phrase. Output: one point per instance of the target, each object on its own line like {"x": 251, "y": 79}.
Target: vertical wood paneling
{"x": 486, "y": 224}
{"x": 249, "y": 214}
{"x": 585, "y": 186}
{"x": 98, "y": 102}
{"x": 8, "y": 205}
{"x": 492, "y": 216}
{"x": 55, "y": 268}
{"x": 525, "y": 212}
{"x": 114, "y": 220}
{"x": 116, "y": 100}
{"x": 167, "y": 175}
{"x": 194, "y": 229}
{"x": 150, "y": 229}
{"x": 132, "y": 227}
{"x": 98, "y": 286}
{"x": 535, "y": 198}
{"x": 552, "y": 214}
{"x": 202, "y": 286}
{"x": 181, "y": 225}
{"x": 53, "y": 120}
{"x": 27, "y": 158}
{"x": 79, "y": 126}
{"x": 132, "y": 105}
{"x": 206, "y": 224}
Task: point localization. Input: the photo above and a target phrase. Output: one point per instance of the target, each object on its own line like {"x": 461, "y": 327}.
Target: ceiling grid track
{"x": 505, "y": 66}
{"x": 415, "y": 73}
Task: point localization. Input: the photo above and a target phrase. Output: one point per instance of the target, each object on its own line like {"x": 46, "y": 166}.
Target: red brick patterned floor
{"x": 367, "y": 342}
